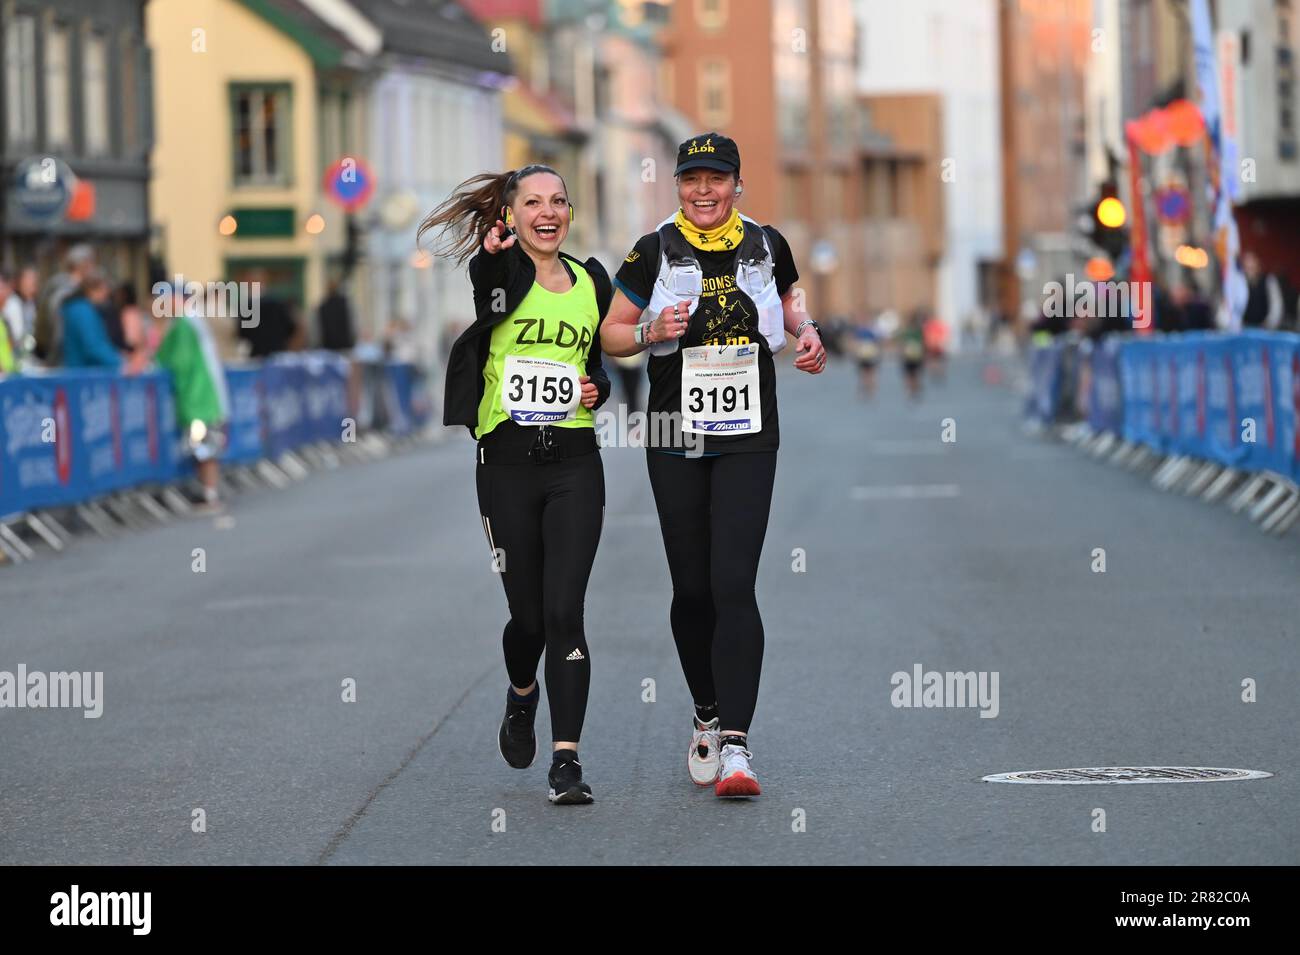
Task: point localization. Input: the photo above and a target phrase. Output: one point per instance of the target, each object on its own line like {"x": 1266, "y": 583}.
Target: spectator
{"x": 135, "y": 331}
{"x": 19, "y": 308}
{"x": 1197, "y": 316}
{"x": 1264, "y": 305}
{"x": 189, "y": 352}
{"x": 275, "y": 328}
{"x": 399, "y": 342}
{"x": 77, "y": 264}
{"x": 8, "y": 363}
{"x": 334, "y": 320}
{"x": 122, "y": 317}
{"x": 85, "y": 339}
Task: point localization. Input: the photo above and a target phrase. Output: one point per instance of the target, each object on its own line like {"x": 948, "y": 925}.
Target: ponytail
{"x": 463, "y": 219}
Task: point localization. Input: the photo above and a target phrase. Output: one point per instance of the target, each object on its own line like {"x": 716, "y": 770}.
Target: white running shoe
{"x": 702, "y": 757}
{"x": 736, "y": 779}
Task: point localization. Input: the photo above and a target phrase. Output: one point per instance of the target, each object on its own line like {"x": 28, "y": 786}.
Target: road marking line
{"x": 898, "y": 492}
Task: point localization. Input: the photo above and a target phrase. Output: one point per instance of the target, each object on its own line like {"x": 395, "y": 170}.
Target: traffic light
{"x": 1109, "y": 218}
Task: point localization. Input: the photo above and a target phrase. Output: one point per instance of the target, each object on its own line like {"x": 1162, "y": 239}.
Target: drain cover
{"x": 1127, "y": 774}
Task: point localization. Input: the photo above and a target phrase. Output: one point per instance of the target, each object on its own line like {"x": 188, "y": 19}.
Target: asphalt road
{"x": 223, "y": 689}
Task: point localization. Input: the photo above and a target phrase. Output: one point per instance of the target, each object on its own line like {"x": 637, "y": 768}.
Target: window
{"x": 94, "y": 75}
{"x": 711, "y": 14}
{"x": 260, "y": 117}
{"x": 20, "y": 80}
{"x": 129, "y": 93}
{"x": 715, "y": 93}
{"x": 58, "y": 132}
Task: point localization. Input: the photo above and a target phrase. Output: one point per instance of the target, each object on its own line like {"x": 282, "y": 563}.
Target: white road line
{"x": 905, "y": 446}
{"x": 900, "y": 492}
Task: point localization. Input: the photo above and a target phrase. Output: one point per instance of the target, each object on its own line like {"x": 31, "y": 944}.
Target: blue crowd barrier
{"x": 1230, "y": 399}
{"x": 1105, "y": 404}
{"x": 73, "y": 435}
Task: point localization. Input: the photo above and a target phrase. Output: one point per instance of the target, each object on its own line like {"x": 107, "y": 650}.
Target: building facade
{"x": 77, "y": 90}
{"x": 950, "y": 50}
{"x": 236, "y": 193}
{"x": 435, "y": 119}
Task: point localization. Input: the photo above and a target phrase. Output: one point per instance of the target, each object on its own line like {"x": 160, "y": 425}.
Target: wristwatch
{"x": 798, "y": 329}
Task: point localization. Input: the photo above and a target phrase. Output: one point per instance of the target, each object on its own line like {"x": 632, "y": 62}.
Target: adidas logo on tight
{"x": 575, "y": 655}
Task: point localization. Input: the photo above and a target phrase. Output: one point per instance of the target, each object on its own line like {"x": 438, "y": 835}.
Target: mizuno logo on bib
{"x": 539, "y": 390}
{"x": 720, "y": 389}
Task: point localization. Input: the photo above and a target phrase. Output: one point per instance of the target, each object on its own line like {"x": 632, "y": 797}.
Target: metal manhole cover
{"x": 1127, "y": 774}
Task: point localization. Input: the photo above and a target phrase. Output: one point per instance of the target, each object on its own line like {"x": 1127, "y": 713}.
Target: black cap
{"x": 708, "y": 151}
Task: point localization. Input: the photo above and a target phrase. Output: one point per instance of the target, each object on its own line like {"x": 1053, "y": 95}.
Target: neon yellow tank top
{"x": 553, "y": 326}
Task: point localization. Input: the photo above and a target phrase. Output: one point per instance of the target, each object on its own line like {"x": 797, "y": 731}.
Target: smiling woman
{"x": 525, "y": 378}
{"x": 719, "y": 291}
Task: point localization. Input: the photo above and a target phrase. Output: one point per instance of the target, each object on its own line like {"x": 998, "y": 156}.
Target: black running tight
{"x": 713, "y": 514}
{"x": 544, "y": 520}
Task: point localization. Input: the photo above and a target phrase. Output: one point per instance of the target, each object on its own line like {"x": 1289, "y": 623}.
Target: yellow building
{"x": 241, "y": 142}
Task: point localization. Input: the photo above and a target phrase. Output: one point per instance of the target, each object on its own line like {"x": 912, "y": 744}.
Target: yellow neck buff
{"x": 725, "y": 238}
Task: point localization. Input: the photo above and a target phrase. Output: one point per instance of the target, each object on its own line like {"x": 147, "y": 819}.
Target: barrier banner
{"x": 69, "y": 436}
{"x": 325, "y": 396}
{"x": 1140, "y": 383}
{"x": 1286, "y": 400}
{"x": 244, "y": 427}
{"x": 284, "y": 418}
{"x": 1252, "y": 376}
{"x": 36, "y": 439}
{"x": 97, "y": 444}
{"x": 1222, "y": 422}
{"x": 1105, "y": 397}
{"x": 1188, "y": 412}
{"x": 138, "y": 428}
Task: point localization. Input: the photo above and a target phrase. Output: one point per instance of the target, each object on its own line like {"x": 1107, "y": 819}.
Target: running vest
{"x": 681, "y": 280}
{"x": 536, "y": 355}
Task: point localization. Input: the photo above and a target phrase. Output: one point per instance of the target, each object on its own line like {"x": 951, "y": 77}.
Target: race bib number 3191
{"x": 539, "y": 391}
{"x": 720, "y": 389}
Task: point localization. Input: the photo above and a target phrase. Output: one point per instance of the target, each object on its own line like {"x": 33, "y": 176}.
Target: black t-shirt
{"x": 725, "y": 316}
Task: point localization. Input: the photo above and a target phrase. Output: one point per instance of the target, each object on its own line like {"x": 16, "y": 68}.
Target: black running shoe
{"x": 517, "y": 740}
{"x": 567, "y": 787}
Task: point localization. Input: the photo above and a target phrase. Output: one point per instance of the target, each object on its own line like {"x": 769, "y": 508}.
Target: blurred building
{"x": 1045, "y": 48}
{"x": 950, "y": 51}
{"x": 1258, "y": 42}
{"x": 1144, "y": 59}
{"x": 900, "y": 206}
{"x": 78, "y": 126}
{"x": 242, "y": 91}
{"x": 585, "y": 101}
{"x": 778, "y": 77}
{"x": 434, "y": 119}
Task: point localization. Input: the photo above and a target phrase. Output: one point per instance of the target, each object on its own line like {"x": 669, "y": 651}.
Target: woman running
{"x": 719, "y": 289}
{"x": 524, "y": 379}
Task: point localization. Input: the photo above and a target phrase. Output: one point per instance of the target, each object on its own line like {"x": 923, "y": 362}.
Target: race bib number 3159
{"x": 720, "y": 389}
{"x": 539, "y": 391}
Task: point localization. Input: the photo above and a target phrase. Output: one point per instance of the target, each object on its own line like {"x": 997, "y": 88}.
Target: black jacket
{"x": 512, "y": 270}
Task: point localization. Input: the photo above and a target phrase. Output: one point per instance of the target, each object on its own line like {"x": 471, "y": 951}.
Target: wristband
{"x": 640, "y": 334}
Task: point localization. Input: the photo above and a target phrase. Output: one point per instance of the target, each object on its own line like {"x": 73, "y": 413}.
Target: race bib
{"x": 539, "y": 391}
{"x": 720, "y": 389}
